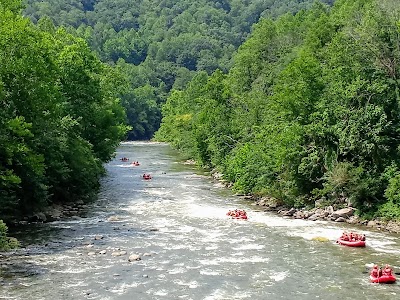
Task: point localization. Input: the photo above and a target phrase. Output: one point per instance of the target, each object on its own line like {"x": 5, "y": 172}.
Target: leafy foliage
{"x": 60, "y": 117}
{"x": 158, "y": 44}
{"x": 311, "y": 109}
{"x": 6, "y": 243}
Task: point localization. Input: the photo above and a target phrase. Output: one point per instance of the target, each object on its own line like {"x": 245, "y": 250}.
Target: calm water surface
{"x": 189, "y": 248}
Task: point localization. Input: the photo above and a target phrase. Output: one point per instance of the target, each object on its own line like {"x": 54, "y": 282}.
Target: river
{"x": 189, "y": 249}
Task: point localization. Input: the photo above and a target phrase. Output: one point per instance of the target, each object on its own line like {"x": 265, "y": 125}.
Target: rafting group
{"x": 382, "y": 275}
{"x": 352, "y": 239}
{"x": 376, "y": 275}
{"x": 136, "y": 164}
{"x": 237, "y": 214}
{"x": 146, "y": 176}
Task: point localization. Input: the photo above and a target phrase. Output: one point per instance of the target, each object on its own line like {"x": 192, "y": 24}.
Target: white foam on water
{"x": 215, "y": 247}
{"x": 161, "y": 292}
{"x": 177, "y": 271}
{"x": 211, "y": 237}
{"x": 249, "y": 247}
{"x": 123, "y": 287}
{"x": 193, "y": 285}
{"x": 143, "y": 143}
{"x": 196, "y": 176}
{"x": 180, "y": 247}
{"x": 224, "y": 295}
{"x": 216, "y": 295}
{"x": 209, "y": 272}
{"x": 158, "y": 192}
{"x": 186, "y": 229}
{"x": 72, "y": 270}
{"x": 385, "y": 249}
{"x": 233, "y": 259}
{"x": 204, "y": 211}
{"x": 279, "y": 276}
{"x": 193, "y": 268}
{"x": 314, "y": 231}
{"x": 278, "y": 221}
{"x": 377, "y": 241}
{"x": 164, "y": 223}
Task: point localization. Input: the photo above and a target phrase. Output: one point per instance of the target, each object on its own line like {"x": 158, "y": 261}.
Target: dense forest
{"x": 60, "y": 116}
{"x": 159, "y": 45}
{"x": 309, "y": 110}
{"x": 74, "y": 73}
{"x": 291, "y": 99}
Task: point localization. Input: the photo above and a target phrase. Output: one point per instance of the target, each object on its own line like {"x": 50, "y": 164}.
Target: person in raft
{"x": 387, "y": 271}
{"x": 376, "y": 271}
{"x": 344, "y": 237}
{"x": 352, "y": 237}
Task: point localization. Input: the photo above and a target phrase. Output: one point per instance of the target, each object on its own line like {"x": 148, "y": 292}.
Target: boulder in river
{"x": 118, "y": 253}
{"x": 344, "y": 212}
{"x": 134, "y": 257}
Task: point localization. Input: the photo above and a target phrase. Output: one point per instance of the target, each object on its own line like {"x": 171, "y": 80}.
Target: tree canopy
{"x": 160, "y": 44}
{"x": 61, "y": 117}
{"x": 309, "y": 110}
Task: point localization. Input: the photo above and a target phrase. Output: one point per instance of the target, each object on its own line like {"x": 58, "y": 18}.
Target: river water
{"x": 189, "y": 248}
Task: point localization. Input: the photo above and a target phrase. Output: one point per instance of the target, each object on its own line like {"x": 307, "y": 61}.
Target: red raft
{"x": 351, "y": 243}
{"x": 237, "y": 214}
{"x": 146, "y": 176}
{"x": 383, "y": 279}
{"x": 384, "y": 275}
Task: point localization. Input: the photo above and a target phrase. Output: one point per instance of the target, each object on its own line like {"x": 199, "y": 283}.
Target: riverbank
{"x": 327, "y": 213}
{"x": 54, "y": 212}
{"x": 320, "y": 212}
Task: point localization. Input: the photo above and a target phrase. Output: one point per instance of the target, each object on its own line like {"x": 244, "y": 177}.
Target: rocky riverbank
{"x": 326, "y": 213}
{"x": 53, "y": 212}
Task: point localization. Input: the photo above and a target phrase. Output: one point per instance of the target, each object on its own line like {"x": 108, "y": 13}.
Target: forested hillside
{"x": 60, "y": 117}
{"x": 160, "y": 44}
{"x": 308, "y": 112}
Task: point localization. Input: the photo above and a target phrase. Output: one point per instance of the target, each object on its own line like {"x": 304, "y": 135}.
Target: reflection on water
{"x": 186, "y": 246}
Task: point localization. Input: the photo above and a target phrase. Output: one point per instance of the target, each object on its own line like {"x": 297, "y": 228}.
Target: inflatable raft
{"x": 383, "y": 279}
{"x": 240, "y": 217}
{"x": 351, "y": 243}
{"x": 239, "y": 214}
